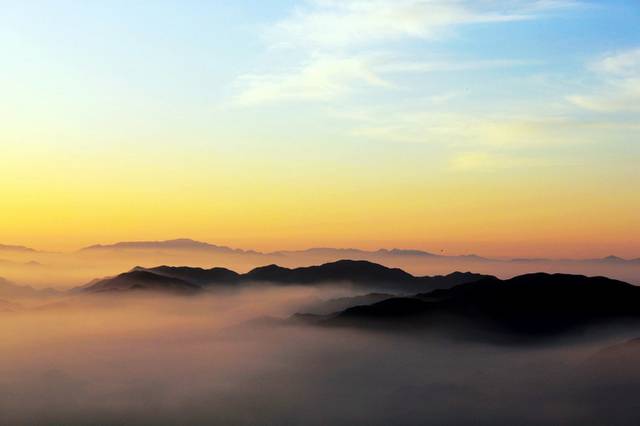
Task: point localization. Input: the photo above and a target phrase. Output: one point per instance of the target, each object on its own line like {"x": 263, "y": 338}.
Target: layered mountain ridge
{"x": 358, "y": 273}
{"x": 532, "y": 304}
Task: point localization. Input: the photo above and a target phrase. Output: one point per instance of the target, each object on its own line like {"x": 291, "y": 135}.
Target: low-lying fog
{"x": 202, "y": 360}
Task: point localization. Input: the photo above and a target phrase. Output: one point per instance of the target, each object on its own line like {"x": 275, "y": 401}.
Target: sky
{"x": 493, "y": 127}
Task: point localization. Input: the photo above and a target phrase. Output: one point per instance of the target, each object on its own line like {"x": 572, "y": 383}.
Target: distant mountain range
{"x": 10, "y": 290}
{"x": 463, "y": 303}
{"x": 343, "y": 253}
{"x": 358, "y": 273}
{"x": 528, "y": 305}
{"x": 471, "y": 305}
{"x": 177, "y": 244}
{"x": 186, "y": 244}
{"x": 189, "y": 244}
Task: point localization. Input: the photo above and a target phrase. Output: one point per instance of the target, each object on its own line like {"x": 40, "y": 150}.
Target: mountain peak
{"x": 141, "y": 279}
{"x": 404, "y": 252}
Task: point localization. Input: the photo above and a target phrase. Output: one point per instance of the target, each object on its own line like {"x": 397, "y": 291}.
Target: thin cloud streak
{"x": 343, "y": 24}
{"x": 619, "y": 91}
{"x": 323, "y": 78}
{"x": 331, "y": 36}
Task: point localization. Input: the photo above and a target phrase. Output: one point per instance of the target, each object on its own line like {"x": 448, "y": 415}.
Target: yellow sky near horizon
{"x": 492, "y": 217}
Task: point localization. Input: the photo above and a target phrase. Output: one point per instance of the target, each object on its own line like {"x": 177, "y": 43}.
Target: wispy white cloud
{"x": 490, "y": 141}
{"x": 623, "y": 64}
{"x": 343, "y": 43}
{"x": 619, "y": 88}
{"x": 347, "y": 23}
{"x": 464, "y": 130}
{"x": 325, "y": 77}
{"x": 322, "y": 78}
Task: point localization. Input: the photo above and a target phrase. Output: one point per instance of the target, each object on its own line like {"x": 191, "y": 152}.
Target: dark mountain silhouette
{"x": 9, "y": 290}
{"x": 142, "y": 280}
{"x": 361, "y": 274}
{"x": 199, "y": 276}
{"x": 453, "y": 279}
{"x": 531, "y": 304}
{"x": 342, "y": 270}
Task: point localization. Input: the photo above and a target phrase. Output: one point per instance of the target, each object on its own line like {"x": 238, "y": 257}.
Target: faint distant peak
{"x": 356, "y": 251}
{"x": 617, "y": 260}
{"x": 473, "y": 257}
{"x": 175, "y": 244}
{"x": 405, "y": 252}
{"x": 8, "y": 247}
{"x": 321, "y": 250}
{"x": 613, "y": 258}
{"x": 531, "y": 259}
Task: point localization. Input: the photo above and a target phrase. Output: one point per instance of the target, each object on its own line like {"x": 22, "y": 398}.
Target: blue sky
{"x": 214, "y": 54}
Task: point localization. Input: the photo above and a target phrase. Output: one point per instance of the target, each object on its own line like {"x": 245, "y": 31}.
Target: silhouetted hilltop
{"x": 342, "y": 270}
{"x": 361, "y": 274}
{"x": 537, "y": 303}
{"x": 142, "y": 280}
{"x": 198, "y": 276}
{"x": 453, "y": 279}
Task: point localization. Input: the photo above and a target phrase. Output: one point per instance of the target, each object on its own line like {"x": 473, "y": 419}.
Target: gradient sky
{"x": 495, "y": 127}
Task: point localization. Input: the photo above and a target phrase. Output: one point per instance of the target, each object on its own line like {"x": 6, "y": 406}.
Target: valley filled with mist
{"x": 343, "y": 342}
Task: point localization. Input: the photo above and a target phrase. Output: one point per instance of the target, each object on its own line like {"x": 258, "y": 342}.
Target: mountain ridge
{"x": 359, "y": 273}
{"x": 11, "y": 290}
{"x": 536, "y": 304}
{"x": 187, "y": 243}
